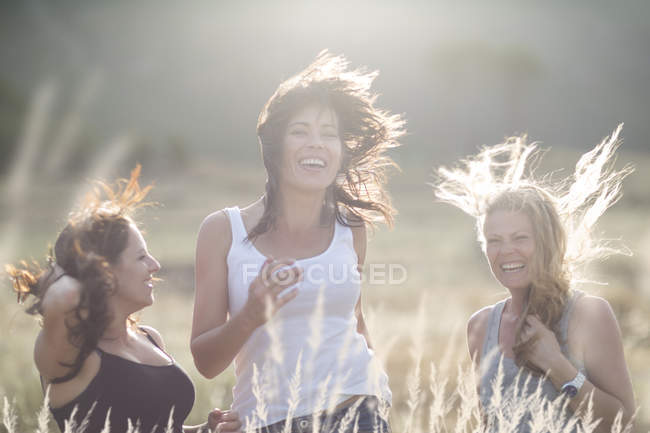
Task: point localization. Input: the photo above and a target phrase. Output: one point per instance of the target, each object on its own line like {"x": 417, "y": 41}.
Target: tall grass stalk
{"x": 44, "y": 413}
{"x": 545, "y": 416}
{"x": 9, "y": 417}
{"x": 440, "y": 405}
{"x": 294, "y": 393}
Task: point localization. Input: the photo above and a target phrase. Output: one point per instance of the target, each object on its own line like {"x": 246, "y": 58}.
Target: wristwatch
{"x": 572, "y": 387}
{"x": 204, "y": 428}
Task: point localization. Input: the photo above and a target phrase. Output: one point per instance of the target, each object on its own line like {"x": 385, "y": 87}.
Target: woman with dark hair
{"x": 100, "y": 367}
{"x": 550, "y": 357}
{"x": 278, "y": 283}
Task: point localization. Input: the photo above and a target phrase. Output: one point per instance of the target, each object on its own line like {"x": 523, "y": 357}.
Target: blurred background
{"x": 89, "y": 88}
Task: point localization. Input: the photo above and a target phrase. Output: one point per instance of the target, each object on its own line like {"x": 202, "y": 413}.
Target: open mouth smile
{"x": 512, "y": 267}
{"x": 312, "y": 163}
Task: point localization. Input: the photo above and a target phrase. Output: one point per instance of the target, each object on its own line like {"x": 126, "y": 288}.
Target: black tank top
{"x": 144, "y": 394}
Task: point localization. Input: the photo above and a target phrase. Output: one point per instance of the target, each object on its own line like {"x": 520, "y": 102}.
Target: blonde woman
{"x": 547, "y": 342}
{"x": 277, "y": 284}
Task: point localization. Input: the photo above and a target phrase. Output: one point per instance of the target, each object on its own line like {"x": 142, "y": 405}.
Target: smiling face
{"x": 510, "y": 247}
{"x": 311, "y": 152}
{"x": 134, "y": 271}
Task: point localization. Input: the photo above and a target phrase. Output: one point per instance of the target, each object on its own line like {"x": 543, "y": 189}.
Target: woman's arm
{"x": 360, "y": 245}
{"x": 52, "y": 345}
{"x": 476, "y": 331}
{"x": 215, "y": 339}
{"x": 201, "y": 428}
{"x": 608, "y": 378}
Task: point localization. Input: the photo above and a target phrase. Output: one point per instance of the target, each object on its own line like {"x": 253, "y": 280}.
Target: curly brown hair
{"x": 86, "y": 249}
{"x": 358, "y": 192}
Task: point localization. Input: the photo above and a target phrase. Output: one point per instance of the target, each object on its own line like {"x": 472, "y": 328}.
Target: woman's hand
{"x": 608, "y": 383}
{"x": 224, "y": 421}
{"x": 264, "y": 298}
{"x": 544, "y": 350}
{"x": 217, "y": 337}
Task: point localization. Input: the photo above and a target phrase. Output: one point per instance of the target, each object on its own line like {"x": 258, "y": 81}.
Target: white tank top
{"x": 309, "y": 356}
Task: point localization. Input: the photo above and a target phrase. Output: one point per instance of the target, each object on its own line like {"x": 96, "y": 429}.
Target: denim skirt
{"x": 360, "y": 416}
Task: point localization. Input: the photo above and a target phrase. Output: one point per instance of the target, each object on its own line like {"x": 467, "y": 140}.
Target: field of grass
{"x": 417, "y": 327}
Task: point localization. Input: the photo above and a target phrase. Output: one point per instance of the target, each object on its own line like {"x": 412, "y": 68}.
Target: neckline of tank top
{"x": 103, "y": 352}
{"x": 503, "y": 354}
{"x": 501, "y": 351}
{"x": 317, "y": 256}
{"x": 96, "y": 377}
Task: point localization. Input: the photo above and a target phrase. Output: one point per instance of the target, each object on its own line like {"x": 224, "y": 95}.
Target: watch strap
{"x": 572, "y": 387}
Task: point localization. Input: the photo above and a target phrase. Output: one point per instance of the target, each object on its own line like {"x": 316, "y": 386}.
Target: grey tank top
{"x": 519, "y": 397}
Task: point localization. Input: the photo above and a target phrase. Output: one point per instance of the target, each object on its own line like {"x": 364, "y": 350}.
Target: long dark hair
{"x": 90, "y": 243}
{"x": 357, "y": 196}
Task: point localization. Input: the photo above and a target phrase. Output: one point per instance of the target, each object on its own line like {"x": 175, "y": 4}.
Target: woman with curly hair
{"x": 278, "y": 283}
{"x": 100, "y": 367}
{"x": 549, "y": 351}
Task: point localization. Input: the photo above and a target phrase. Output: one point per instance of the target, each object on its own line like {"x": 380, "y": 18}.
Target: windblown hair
{"x": 367, "y": 132}
{"x": 90, "y": 243}
{"x": 562, "y": 214}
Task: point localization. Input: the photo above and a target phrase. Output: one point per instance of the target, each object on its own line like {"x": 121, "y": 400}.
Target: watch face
{"x": 571, "y": 391}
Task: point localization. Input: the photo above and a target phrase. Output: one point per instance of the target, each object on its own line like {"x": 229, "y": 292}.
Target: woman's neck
{"x": 300, "y": 211}
{"x": 117, "y": 331}
{"x": 517, "y": 302}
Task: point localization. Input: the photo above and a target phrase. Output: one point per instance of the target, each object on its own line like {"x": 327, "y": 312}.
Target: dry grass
{"x": 434, "y": 386}
{"x": 424, "y": 354}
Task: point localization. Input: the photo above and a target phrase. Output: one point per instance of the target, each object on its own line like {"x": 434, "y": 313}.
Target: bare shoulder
{"x": 479, "y": 320}
{"x": 477, "y": 329}
{"x": 153, "y": 333}
{"x": 215, "y": 222}
{"x": 594, "y": 314}
{"x": 215, "y": 230}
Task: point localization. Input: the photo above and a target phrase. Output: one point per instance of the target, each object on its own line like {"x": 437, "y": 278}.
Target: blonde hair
{"x": 562, "y": 213}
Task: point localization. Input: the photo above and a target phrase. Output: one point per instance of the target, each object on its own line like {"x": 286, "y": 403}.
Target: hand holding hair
{"x": 544, "y": 352}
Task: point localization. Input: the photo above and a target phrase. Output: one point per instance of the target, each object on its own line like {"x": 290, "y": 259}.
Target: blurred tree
{"x": 12, "y": 108}
{"x": 177, "y": 153}
{"x": 490, "y": 88}
{"x": 141, "y": 152}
